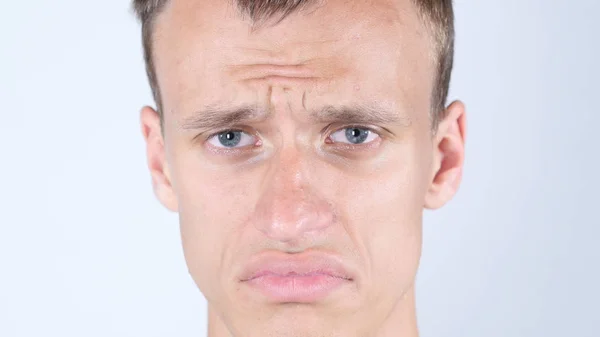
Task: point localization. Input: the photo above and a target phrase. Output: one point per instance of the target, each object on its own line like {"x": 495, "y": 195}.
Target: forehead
{"x": 206, "y": 53}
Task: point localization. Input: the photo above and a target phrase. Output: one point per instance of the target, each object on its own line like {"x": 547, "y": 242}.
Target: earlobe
{"x": 449, "y": 153}
{"x": 156, "y": 158}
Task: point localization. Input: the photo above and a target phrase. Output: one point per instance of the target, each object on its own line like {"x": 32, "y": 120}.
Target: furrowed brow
{"x": 212, "y": 118}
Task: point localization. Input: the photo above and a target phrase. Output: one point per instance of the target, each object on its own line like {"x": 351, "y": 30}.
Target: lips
{"x": 300, "y": 278}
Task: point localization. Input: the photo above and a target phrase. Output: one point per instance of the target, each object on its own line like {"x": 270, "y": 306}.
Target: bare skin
{"x": 293, "y": 182}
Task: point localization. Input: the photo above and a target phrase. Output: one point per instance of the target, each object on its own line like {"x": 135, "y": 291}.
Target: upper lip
{"x": 283, "y": 264}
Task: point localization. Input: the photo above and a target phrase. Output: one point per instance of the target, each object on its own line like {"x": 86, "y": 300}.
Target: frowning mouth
{"x": 299, "y": 278}
{"x": 294, "y": 274}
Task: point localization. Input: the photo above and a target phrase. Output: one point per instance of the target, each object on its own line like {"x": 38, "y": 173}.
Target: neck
{"x": 401, "y": 321}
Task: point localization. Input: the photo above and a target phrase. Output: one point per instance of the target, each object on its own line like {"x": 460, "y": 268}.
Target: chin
{"x": 299, "y": 321}
{"x": 334, "y": 319}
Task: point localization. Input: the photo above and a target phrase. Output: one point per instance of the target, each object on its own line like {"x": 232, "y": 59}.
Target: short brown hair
{"x": 437, "y": 15}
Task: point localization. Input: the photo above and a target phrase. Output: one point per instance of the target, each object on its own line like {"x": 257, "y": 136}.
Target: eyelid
{"x": 216, "y": 133}
{"x": 341, "y": 125}
{"x": 359, "y": 126}
{"x": 327, "y": 131}
{"x": 232, "y": 129}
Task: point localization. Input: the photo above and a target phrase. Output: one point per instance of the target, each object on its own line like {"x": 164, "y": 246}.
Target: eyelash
{"x": 347, "y": 145}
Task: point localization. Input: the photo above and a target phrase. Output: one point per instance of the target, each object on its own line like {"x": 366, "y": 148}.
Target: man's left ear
{"x": 448, "y": 157}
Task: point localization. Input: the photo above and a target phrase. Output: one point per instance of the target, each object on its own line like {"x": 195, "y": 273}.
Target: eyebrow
{"x": 219, "y": 117}
{"x": 362, "y": 113}
{"x": 214, "y": 117}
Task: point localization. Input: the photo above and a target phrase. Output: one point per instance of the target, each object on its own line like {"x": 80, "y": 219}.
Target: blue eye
{"x": 354, "y": 135}
{"x": 231, "y": 139}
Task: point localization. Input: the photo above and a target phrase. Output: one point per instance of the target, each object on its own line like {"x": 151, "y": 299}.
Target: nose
{"x": 290, "y": 207}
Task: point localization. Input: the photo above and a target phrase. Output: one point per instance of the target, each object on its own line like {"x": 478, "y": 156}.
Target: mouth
{"x": 298, "y": 278}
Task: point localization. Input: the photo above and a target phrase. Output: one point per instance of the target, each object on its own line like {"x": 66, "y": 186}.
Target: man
{"x": 300, "y": 141}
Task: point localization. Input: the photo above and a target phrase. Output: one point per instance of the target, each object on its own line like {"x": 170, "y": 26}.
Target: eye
{"x": 354, "y": 135}
{"x": 231, "y": 139}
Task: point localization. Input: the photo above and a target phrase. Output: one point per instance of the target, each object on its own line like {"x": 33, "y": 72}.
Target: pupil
{"x": 356, "y": 136}
{"x": 230, "y": 138}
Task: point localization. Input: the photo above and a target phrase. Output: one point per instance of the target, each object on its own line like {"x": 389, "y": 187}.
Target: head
{"x": 297, "y": 135}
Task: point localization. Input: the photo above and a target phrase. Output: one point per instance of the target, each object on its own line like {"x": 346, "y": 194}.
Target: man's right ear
{"x": 156, "y": 159}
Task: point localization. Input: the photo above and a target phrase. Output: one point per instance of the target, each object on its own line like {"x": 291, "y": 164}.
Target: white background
{"x": 86, "y": 250}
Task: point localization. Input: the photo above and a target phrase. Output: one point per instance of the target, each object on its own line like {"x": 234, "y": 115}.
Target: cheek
{"x": 386, "y": 214}
{"x": 210, "y": 205}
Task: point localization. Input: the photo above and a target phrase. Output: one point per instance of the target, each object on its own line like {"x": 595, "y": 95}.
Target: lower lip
{"x": 297, "y": 288}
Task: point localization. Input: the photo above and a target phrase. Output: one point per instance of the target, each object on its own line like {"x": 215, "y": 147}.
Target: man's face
{"x": 299, "y": 156}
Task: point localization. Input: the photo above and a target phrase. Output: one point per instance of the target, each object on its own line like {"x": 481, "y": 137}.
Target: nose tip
{"x": 289, "y": 220}
{"x": 290, "y": 207}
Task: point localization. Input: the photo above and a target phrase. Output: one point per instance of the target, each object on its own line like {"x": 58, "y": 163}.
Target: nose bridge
{"x": 289, "y": 206}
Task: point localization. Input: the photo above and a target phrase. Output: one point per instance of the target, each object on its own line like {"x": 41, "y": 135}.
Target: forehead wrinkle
{"x": 332, "y": 67}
